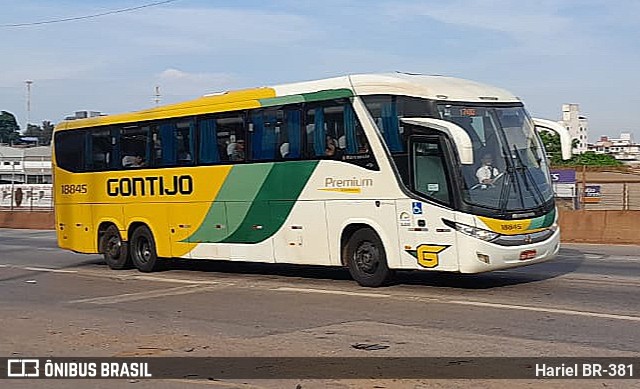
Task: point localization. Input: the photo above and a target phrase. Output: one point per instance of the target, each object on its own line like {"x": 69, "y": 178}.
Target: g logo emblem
{"x": 428, "y": 255}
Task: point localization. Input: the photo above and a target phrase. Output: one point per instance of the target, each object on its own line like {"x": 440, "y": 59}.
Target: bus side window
{"x": 209, "y": 150}
{"x": 231, "y": 136}
{"x": 314, "y": 133}
{"x": 183, "y": 136}
{"x": 324, "y": 132}
{"x": 265, "y": 128}
{"x": 133, "y": 146}
{"x": 101, "y": 149}
{"x": 70, "y": 150}
{"x": 290, "y": 136}
{"x": 172, "y": 143}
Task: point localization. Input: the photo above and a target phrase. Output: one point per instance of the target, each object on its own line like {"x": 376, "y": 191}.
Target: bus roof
{"x": 431, "y": 87}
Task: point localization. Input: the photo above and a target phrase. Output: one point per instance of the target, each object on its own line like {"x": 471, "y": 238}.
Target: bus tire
{"x": 142, "y": 247}
{"x": 114, "y": 249}
{"x": 366, "y": 258}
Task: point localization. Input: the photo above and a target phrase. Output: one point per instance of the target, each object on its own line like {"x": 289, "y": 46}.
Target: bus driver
{"x": 487, "y": 173}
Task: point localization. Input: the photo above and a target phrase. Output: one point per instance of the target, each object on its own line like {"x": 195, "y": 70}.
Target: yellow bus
{"x": 374, "y": 172}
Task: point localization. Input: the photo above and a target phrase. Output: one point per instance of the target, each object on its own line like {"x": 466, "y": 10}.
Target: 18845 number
{"x": 73, "y": 189}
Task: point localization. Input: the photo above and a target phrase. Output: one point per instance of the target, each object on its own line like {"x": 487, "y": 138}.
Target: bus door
{"x": 425, "y": 240}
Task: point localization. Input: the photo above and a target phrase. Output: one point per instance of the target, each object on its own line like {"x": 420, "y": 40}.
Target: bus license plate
{"x": 527, "y": 254}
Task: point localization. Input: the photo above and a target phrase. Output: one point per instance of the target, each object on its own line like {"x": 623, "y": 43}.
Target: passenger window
{"x": 290, "y": 136}
{"x": 101, "y": 149}
{"x": 231, "y": 137}
{"x": 209, "y": 150}
{"x": 69, "y": 146}
{"x": 325, "y": 137}
{"x": 265, "y": 127}
{"x": 334, "y": 131}
{"x": 134, "y": 146}
{"x": 387, "y": 110}
{"x": 172, "y": 143}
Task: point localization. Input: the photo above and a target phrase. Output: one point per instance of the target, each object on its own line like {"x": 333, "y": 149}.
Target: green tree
{"x": 47, "y": 133}
{"x": 33, "y": 131}
{"x": 43, "y": 133}
{"x": 592, "y": 159}
{"x": 551, "y": 143}
{"x": 9, "y": 129}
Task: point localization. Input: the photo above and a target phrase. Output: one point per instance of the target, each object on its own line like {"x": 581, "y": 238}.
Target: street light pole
{"x": 28, "y": 83}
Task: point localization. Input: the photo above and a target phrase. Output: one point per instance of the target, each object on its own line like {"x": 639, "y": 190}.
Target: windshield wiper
{"x": 528, "y": 178}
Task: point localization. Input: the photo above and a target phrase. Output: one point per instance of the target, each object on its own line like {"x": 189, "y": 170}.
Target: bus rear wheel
{"x": 143, "y": 250}
{"x": 366, "y": 259}
{"x": 114, "y": 249}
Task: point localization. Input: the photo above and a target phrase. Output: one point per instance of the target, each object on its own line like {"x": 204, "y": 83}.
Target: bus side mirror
{"x": 460, "y": 138}
{"x": 565, "y": 137}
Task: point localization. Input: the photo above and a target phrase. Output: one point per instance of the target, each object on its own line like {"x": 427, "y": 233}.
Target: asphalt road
{"x": 57, "y": 303}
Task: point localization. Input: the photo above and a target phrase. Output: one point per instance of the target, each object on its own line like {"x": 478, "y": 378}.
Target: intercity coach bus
{"x": 373, "y": 172}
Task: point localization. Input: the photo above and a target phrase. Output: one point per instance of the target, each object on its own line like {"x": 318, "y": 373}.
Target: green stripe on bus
{"x": 543, "y": 221}
{"x": 306, "y": 97}
{"x": 275, "y": 101}
{"x": 232, "y": 203}
{"x": 327, "y": 95}
{"x": 254, "y": 202}
{"x": 274, "y": 202}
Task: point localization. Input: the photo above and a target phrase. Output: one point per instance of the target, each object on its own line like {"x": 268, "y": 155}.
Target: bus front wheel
{"x": 143, "y": 249}
{"x": 114, "y": 249}
{"x": 366, "y": 258}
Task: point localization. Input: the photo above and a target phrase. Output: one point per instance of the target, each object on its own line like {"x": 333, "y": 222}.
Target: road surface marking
{"x": 328, "y": 291}
{"x": 195, "y": 286}
{"x": 127, "y": 297}
{"x": 545, "y": 310}
{"x": 23, "y": 247}
{"x": 49, "y": 270}
{"x": 176, "y": 280}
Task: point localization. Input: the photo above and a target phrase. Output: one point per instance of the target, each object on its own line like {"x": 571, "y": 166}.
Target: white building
{"x": 30, "y": 165}
{"x": 576, "y": 124}
{"x": 623, "y": 148}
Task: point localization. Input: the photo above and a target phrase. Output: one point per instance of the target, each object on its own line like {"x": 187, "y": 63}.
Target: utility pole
{"x": 28, "y": 83}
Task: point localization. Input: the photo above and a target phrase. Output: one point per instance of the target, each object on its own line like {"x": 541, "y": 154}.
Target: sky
{"x": 547, "y": 52}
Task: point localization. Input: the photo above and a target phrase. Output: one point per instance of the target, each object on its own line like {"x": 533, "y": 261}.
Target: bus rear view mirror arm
{"x": 459, "y": 136}
{"x": 565, "y": 137}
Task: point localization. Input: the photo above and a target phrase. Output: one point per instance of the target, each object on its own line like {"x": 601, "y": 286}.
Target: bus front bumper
{"x": 477, "y": 256}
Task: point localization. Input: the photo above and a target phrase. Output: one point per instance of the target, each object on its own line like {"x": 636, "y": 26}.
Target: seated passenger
{"x": 133, "y": 161}
{"x": 236, "y": 150}
{"x": 284, "y": 150}
{"x": 184, "y": 157}
{"x": 331, "y": 147}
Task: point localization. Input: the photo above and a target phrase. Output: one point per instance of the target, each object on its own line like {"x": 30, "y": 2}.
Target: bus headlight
{"x": 475, "y": 232}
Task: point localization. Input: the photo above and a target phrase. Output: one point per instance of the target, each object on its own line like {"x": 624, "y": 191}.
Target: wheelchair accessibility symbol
{"x": 417, "y": 208}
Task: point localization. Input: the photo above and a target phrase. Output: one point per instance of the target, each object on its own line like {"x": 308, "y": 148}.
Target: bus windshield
{"x": 510, "y": 171}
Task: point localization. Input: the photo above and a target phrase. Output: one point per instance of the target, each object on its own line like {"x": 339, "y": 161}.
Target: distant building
{"x": 29, "y": 165}
{"x": 623, "y": 148}
{"x": 84, "y": 115}
{"x": 576, "y": 124}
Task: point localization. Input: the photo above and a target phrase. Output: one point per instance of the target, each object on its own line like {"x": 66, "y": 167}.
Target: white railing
{"x": 26, "y": 197}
